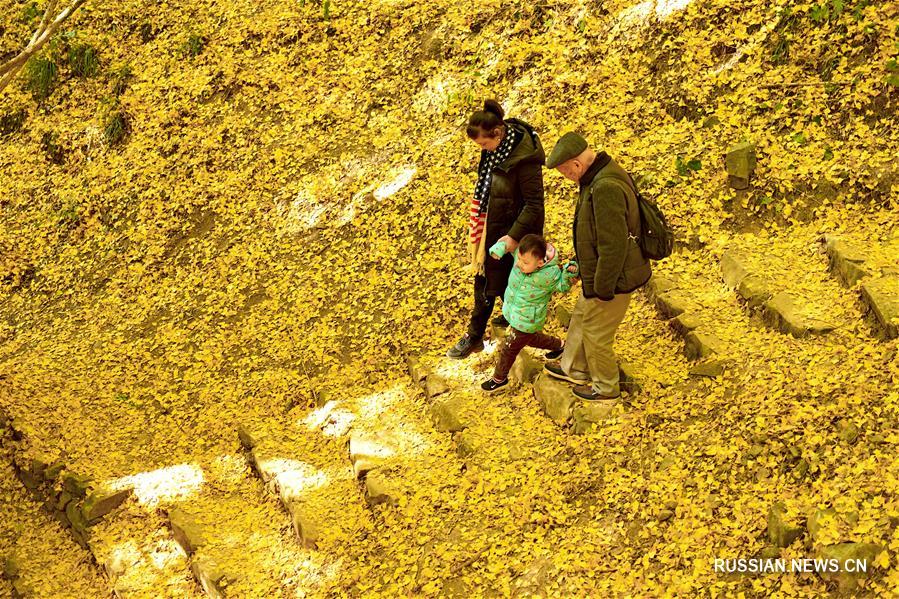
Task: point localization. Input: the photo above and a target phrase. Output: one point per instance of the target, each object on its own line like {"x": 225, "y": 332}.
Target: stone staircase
{"x": 695, "y": 317}
{"x": 874, "y": 268}
{"x": 366, "y": 463}
{"x": 237, "y": 537}
{"x": 320, "y": 497}
{"x": 791, "y": 293}
{"x": 82, "y": 507}
{"x": 783, "y": 310}
{"x": 140, "y": 555}
{"x": 27, "y": 568}
{"x": 181, "y": 531}
{"x": 795, "y": 294}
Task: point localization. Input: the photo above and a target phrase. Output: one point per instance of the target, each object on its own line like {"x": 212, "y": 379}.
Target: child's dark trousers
{"x": 512, "y": 345}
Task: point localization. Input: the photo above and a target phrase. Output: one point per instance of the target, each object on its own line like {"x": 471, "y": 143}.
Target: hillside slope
{"x": 253, "y": 208}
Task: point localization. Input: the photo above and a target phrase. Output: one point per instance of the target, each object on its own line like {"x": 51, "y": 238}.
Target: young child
{"x": 535, "y": 277}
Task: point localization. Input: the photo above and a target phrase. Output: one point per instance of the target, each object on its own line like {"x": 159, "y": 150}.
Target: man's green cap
{"x": 569, "y": 145}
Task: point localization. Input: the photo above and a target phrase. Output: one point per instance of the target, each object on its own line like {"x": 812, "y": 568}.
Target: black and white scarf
{"x": 489, "y": 161}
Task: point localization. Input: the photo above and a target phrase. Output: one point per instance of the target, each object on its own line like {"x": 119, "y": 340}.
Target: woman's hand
{"x": 510, "y": 243}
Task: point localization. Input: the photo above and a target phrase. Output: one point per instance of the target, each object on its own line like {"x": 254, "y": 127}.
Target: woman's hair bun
{"x": 493, "y": 106}
{"x": 485, "y": 122}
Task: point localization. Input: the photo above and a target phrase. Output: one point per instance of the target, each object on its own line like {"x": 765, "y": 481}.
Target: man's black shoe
{"x": 554, "y": 354}
{"x": 587, "y": 393}
{"x": 555, "y": 371}
{"x": 465, "y": 346}
{"x": 500, "y": 321}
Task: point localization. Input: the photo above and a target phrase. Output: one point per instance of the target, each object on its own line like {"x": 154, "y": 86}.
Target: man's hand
{"x": 510, "y": 243}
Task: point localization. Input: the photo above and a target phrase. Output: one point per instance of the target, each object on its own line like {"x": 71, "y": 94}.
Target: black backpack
{"x": 656, "y": 238}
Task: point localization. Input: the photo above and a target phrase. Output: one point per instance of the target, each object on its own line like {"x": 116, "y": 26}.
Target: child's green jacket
{"x": 527, "y": 295}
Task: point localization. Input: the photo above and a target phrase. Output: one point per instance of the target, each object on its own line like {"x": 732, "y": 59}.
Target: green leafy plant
{"x": 68, "y": 216}
{"x": 858, "y": 13}
{"x": 116, "y": 127}
{"x": 781, "y": 51}
{"x": 326, "y": 9}
{"x": 685, "y": 168}
{"x": 828, "y": 66}
{"x": 30, "y": 12}
{"x": 892, "y": 67}
{"x": 51, "y": 148}
{"x": 818, "y": 13}
{"x": 146, "y": 32}
{"x": 40, "y": 75}
{"x": 120, "y": 79}
{"x": 83, "y": 60}
{"x": 12, "y": 122}
{"x": 126, "y": 399}
{"x": 194, "y": 45}
{"x": 826, "y": 11}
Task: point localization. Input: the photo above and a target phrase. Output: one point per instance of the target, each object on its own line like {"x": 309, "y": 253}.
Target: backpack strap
{"x": 631, "y": 206}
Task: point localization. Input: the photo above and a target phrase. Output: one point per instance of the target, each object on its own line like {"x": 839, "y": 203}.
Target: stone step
{"x": 564, "y": 408}
{"x": 852, "y": 263}
{"x": 100, "y": 518}
{"x": 686, "y": 316}
{"x": 320, "y": 499}
{"x": 449, "y": 411}
{"x": 555, "y": 398}
{"x": 784, "y": 312}
{"x": 781, "y": 310}
{"x": 847, "y": 261}
{"x": 382, "y": 486}
{"x": 669, "y": 299}
{"x": 74, "y": 500}
{"x": 526, "y": 368}
{"x": 455, "y": 411}
{"x": 370, "y": 450}
{"x": 391, "y": 454}
{"x": 710, "y": 368}
{"x": 235, "y": 534}
{"x": 194, "y": 534}
{"x": 140, "y": 556}
{"x": 450, "y": 414}
{"x": 699, "y": 345}
{"x": 432, "y": 384}
{"x": 882, "y": 296}
{"x": 38, "y": 558}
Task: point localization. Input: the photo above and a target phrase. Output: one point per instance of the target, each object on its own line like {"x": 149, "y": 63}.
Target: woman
{"x": 507, "y": 205}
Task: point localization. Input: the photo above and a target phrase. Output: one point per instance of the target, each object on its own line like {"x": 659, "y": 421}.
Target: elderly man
{"x": 606, "y": 229}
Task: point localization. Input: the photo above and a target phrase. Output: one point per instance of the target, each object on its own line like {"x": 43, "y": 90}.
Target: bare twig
{"x": 802, "y": 84}
{"x": 458, "y": 567}
{"x": 45, "y": 30}
{"x": 311, "y": 385}
{"x": 51, "y": 6}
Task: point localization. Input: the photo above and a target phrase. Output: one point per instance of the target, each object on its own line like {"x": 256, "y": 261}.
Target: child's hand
{"x": 498, "y": 250}
{"x": 571, "y": 266}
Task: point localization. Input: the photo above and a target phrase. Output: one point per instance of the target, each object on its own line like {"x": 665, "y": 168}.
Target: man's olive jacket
{"x": 606, "y": 229}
